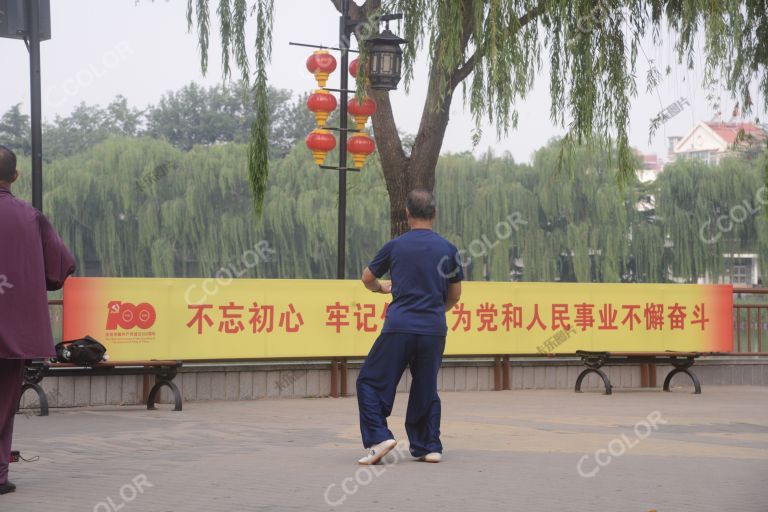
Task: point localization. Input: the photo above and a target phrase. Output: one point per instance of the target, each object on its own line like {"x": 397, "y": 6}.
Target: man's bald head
{"x": 7, "y": 165}
{"x": 421, "y": 204}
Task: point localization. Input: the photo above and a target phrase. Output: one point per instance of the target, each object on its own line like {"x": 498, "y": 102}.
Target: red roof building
{"x": 711, "y": 141}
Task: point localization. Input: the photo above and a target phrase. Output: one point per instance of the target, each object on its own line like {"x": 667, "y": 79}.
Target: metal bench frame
{"x": 164, "y": 372}
{"x": 681, "y": 362}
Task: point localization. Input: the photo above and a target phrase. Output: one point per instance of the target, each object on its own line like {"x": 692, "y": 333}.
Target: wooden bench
{"x": 681, "y": 362}
{"x": 164, "y": 372}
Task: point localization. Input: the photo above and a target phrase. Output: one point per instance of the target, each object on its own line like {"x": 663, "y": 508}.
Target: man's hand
{"x": 373, "y": 284}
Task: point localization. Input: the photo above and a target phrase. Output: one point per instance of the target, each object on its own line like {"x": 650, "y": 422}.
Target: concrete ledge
{"x": 295, "y": 379}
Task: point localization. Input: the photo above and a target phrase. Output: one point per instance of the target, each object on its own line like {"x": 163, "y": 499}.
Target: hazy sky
{"x": 101, "y": 48}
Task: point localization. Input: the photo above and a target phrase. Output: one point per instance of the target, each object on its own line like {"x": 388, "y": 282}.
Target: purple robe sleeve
{"x": 58, "y": 260}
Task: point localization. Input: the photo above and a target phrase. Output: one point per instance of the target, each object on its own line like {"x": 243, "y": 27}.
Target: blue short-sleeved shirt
{"x": 421, "y": 263}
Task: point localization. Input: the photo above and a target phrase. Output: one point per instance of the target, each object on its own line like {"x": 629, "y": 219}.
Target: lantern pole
{"x": 346, "y": 30}
{"x": 345, "y": 34}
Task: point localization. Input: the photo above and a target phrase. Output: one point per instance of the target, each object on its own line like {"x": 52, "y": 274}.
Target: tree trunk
{"x": 403, "y": 173}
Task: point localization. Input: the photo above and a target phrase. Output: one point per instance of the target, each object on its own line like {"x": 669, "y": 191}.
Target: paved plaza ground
{"x": 504, "y": 451}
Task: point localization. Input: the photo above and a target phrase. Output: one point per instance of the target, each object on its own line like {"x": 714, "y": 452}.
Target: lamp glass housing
{"x": 386, "y": 60}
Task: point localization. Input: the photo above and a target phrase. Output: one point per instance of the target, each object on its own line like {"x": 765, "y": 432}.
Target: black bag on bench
{"x": 84, "y": 352}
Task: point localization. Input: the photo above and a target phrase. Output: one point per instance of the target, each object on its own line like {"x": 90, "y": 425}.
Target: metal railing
{"x": 750, "y": 320}
{"x": 56, "y": 311}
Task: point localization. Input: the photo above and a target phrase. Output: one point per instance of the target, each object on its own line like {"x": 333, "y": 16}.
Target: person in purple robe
{"x": 33, "y": 259}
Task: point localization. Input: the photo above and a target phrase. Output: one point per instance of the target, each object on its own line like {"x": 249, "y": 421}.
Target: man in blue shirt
{"x": 426, "y": 282}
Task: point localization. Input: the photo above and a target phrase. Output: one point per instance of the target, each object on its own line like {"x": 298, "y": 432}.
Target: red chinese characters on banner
{"x": 365, "y": 315}
{"x": 340, "y": 316}
{"x": 699, "y": 317}
{"x": 262, "y": 318}
{"x": 511, "y": 316}
{"x": 463, "y": 317}
{"x": 337, "y": 316}
{"x": 654, "y": 317}
{"x": 676, "y": 317}
{"x": 560, "y": 317}
{"x": 608, "y": 318}
{"x": 200, "y": 316}
{"x": 232, "y": 318}
{"x": 231, "y": 322}
{"x": 291, "y": 319}
{"x": 536, "y": 319}
{"x": 585, "y": 318}
{"x": 631, "y": 316}
{"x": 488, "y": 317}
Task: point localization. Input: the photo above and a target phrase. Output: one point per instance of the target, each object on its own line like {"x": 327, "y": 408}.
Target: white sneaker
{"x": 433, "y": 457}
{"x": 377, "y": 452}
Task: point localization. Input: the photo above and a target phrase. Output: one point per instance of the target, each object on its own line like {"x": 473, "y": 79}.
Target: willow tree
{"x": 494, "y": 50}
{"x": 140, "y": 207}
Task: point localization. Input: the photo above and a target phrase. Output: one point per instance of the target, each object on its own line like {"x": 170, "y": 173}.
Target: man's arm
{"x": 378, "y": 267}
{"x": 374, "y": 284}
{"x": 453, "y": 296}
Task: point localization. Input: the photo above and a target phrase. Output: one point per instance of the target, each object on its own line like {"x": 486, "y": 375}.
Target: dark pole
{"x": 36, "y": 110}
{"x": 344, "y": 42}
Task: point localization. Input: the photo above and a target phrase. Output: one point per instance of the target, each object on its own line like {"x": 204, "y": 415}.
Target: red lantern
{"x": 353, "y": 67}
{"x": 320, "y": 142}
{"x": 360, "y": 145}
{"x": 321, "y": 64}
{"x": 322, "y": 103}
{"x": 361, "y": 111}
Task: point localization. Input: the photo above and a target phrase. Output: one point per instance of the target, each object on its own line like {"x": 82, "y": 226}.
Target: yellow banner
{"x": 204, "y": 319}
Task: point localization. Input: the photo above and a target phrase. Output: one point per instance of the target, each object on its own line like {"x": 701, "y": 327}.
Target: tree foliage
{"x": 193, "y": 115}
{"x": 14, "y": 130}
{"x": 495, "y": 49}
{"x": 197, "y": 115}
{"x": 87, "y": 126}
{"x": 141, "y": 207}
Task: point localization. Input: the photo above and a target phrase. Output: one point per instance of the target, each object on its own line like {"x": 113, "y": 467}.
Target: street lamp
{"x": 30, "y": 20}
{"x": 385, "y": 70}
{"x": 386, "y": 58}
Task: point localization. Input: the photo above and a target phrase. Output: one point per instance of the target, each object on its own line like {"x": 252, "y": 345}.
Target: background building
{"x": 714, "y": 140}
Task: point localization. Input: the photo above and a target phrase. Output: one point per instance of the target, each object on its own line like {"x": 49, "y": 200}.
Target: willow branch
{"x": 466, "y": 69}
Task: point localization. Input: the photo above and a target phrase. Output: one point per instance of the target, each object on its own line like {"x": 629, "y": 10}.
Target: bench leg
{"x": 696, "y": 383}
{"x": 156, "y": 389}
{"x": 40, "y": 395}
{"x": 602, "y": 375}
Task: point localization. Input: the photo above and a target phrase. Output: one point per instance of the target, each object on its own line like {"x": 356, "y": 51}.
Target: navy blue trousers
{"x": 378, "y": 380}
